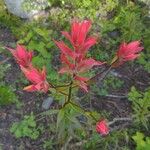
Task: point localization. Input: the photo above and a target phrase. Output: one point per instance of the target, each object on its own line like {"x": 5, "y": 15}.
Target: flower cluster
{"x": 35, "y": 76}
{"x": 74, "y": 59}
{"x": 127, "y": 52}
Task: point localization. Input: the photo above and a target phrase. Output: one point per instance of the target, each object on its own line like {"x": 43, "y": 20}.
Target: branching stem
{"x": 58, "y": 90}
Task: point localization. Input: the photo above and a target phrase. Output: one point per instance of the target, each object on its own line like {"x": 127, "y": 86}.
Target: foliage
{"x": 145, "y": 57}
{"x": 3, "y": 68}
{"x": 140, "y": 104}
{"x": 67, "y": 122}
{"x": 97, "y": 10}
{"x": 128, "y": 21}
{"x": 26, "y": 128}
{"x": 35, "y": 5}
{"x": 133, "y": 27}
{"x": 111, "y": 141}
{"x": 142, "y": 142}
{"x": 7, "y": 96}
{"x": 48, "y": 145}
{"x": 9, "y": 20}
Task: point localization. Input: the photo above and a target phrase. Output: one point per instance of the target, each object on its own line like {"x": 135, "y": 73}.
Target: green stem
{"x": 69, "y": 95}
{"x": 102, "y": 74}
{"x": 59, "y": 86}
{"x": 70, "y": 92}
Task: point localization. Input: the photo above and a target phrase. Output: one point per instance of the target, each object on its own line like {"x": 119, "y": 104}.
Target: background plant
{"x": 142, "y": 142}
{"x": 26, "y": 128}
{"x": 141, "y": 105}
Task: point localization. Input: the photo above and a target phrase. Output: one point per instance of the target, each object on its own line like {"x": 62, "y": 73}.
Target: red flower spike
{"x": 74, "y": 60}
{"x": 37, "y": 78}
{"x": 78, "y": 36}
{"x": 128, "y": 52}
{"x": 22, "y": 56}
{"x": 102, "y": 127}
{"x": 65, "y": 49}
{"x": 82, "y": 32}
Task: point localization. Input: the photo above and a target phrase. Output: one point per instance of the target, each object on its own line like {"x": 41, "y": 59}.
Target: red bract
{"x": 128, "y": 52}
{"x": 81, "y": 81}
{"x": 78, "y": 36}
{"x": 74, "y": 59}
{"x": 102, "y": 127}
{"x": 22, "y": 56}
{"x": 37, "y": 78}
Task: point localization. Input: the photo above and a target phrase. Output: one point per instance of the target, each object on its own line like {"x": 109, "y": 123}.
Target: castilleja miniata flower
{"x": 74, "y": 59}
{"x": 102, "y": 127}
{"x": 22, "y": 56}
{"x": 127, "y": 52}
{"x": 37, "y": 78}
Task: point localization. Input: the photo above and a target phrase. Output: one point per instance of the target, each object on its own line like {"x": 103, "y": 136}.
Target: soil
{"x": 116, "y": 105}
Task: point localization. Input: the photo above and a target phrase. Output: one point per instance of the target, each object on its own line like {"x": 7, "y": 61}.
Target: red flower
{"x": 78, "y": 36}
{"x": 74, "y": 60}
{"x": 102, "y": 127}
{"x": 38, "y": 79}
{"x": 22, "y": 56}
{"x": 128, "y": 52}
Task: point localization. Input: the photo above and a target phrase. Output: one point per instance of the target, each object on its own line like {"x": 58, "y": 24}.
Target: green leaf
{"x": 141, "y": 144}
{"x": 42, "y": 32}
{"x": 138, "y": 137}
{"x": 25, "y": 128}
{"x": 60, "y": 117}
{"x": 140, "y": 104}
{"x": 7, "y": 96}
{"x": 75, "y": 122}
{"x": 134, "y": 94}
{"x": 77, "y": 109}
